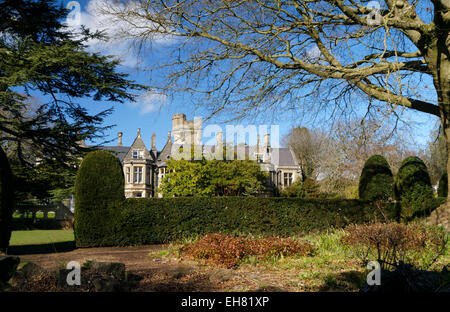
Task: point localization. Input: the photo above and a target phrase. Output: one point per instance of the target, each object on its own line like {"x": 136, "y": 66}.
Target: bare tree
{"x": 252, "y": 55}
{"x": 349, "y": 144}
{"x": 307, "y": 146}
{"x": 435, "y": 155}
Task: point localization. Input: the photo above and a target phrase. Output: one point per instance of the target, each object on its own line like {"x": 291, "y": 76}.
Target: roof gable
{"x": 139, "y": 145}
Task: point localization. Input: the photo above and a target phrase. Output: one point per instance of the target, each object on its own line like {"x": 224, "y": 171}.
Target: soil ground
{"x": 155, "y": 269}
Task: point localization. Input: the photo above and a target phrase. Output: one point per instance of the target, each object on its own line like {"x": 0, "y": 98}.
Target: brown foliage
{"x": 229, "y": 251}
{"x": 393, "y": 243}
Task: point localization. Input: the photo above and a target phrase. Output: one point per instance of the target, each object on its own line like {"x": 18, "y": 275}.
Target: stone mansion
{"x": 145, "y": 168}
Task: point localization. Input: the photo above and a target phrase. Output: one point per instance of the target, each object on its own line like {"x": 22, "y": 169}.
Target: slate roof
{"x": 164, "y": 154}
{"x": 280, "y": 156}
{"x": 285, "y": 156}
{"x": 119, "y": 151}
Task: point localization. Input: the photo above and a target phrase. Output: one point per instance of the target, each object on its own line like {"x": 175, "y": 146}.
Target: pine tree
{"x": 38, "y": 53}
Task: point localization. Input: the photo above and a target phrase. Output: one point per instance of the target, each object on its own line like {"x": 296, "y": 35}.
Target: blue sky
{"x": 153, "y": 112}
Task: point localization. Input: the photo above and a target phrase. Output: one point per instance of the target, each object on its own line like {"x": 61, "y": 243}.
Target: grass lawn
{"x": 40, "y": 237}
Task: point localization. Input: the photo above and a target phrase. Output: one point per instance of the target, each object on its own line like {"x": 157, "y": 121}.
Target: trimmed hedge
{"x": 98, "y": 183}
{"x": 6, "y": 200}
{"x": 376, "y": 181}
{"x": 413, "y": 188}
{"x": 443, "y": 185}
{"x": 162, "y": 220}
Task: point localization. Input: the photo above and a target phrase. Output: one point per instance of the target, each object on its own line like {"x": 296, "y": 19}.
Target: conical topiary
{"x": 376, "y": 181}
{"x": 99, "y": 182}
{"x": 6, "y": 200}
{"x": 413, "y": 188}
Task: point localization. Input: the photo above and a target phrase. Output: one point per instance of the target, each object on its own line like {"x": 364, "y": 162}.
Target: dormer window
{"x": 138, "y": 154}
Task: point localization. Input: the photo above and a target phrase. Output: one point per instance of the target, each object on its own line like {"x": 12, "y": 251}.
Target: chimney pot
{"x": 119, "y": 139}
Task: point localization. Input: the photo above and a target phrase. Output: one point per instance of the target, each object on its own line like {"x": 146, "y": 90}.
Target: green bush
{"x": 296, "y": 189}
{"x": 302, "y": 189}
{"x": 6, "y": 200}
{"x": 443, "y": 185}
{"x": 413, "y": 189}
{"x": 162, "y": 220}
{"x": 99, "y": 182}
{"x": 376, "y": 181}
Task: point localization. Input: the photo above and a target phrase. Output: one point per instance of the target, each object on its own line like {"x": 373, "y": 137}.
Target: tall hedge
{"x": 443, "y": 185}
{"x": 376, "y": 181}
{"x": 6, "y": 200}
{"x": 163, "y": 220}
{"x": 413, "y": 188}
{"x": 99, "y": 182}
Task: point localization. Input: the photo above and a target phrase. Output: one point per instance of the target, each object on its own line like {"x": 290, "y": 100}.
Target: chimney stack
{"x": 169, "y": 137}
{"x": 258, "y": 145}
{"x": 154, "y": 142}
{"x": 119, "y": 139}
{"x": 139, "y": 132}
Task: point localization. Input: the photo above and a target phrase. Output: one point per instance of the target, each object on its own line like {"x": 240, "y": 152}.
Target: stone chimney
{"x": 258, "y": 145}
{"x": 119, "y": 139}
{"x": 139, "y": 132}
{"x": 154, "y": 142}
{"x": 169, "y": 137}
{"x": 267, "y": 157}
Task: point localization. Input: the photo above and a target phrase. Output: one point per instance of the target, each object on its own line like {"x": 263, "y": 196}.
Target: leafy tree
{"x": 237, "y": 177}
{"x": 413, "y": 188}
{"x": 186, "y": 178}
{"x": 212, "y": 178}
{"x": 6, "y": 201}
{"x": 99, "y": 182}
{"x": 376, "y": 182}
{"x": 275, "y": 55}
{"x": 39, "y": 54}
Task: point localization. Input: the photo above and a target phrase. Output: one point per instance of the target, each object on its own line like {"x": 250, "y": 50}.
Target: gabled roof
{"x": 283, "y": 157}
{"x": 164, "y": 155}
{"x": 139, "y": 145}
{"x": 118, "y": 151}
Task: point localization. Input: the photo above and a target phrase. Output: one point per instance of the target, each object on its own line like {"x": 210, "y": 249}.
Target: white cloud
{"x": 149, "y": 102}
{"x": 119, "y": 33}
{"x": 313, "y": 53}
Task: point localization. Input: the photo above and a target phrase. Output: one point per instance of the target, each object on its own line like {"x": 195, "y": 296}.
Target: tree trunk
{"x": 439, "y": 59}
{"x": 441, "y": 215}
